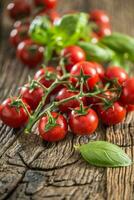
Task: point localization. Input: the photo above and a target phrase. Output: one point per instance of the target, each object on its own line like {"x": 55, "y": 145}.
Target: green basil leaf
{"x": 104, "y": 154}
{"x": 40, "y": 29}
{"x": 72, "y": 27}
{"x": 119, "y": 42}
{"x": 97, "y": 53}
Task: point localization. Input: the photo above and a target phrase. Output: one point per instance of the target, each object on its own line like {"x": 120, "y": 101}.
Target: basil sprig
{"x": 104, "y": 154}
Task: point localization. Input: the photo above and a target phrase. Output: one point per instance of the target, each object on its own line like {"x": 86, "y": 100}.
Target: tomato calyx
{"x": 82, "y": 110}
{"x": 52, "y": 122}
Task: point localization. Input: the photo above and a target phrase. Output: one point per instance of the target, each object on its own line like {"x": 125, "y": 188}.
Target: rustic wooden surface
{"x": 33, "y": 169}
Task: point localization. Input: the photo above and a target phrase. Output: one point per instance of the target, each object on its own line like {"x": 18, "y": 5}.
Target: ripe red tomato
{"x": 73, "y": 55}
{"x": 55, "y": 133}
{"x": 127, "y": 95}
{"x": 46, "y": 76}
{"x": 52, "y": 14}
{"x": 48, "y": 4}
{"x": 94, "y": 100}
{"x": 130, "y": 108}
{"x": 32, "y": 96}
{"x": 30, "y": 53}
{"x": 88, "y": 69}
{"x": 19, "y": 9}
{"x": 19, "y": 34}
{"x": 66, "y": 107}
{"x": 100, "y": 70}
{"x": 99, "y": 16}
{"x": 83, "y": 124}
{"x": 113, "y": 115}
{"x": 118, "y": 73}
{"x": 12, "y": 116}
{"x": 104, "y": 30}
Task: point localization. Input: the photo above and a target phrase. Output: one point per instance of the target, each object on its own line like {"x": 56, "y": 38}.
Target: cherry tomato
{"x": 100, "y": 70}
{"x": 12, "y": 116}
{"x": 46, "y": 76}
{"x": 32, "y": 96}
{"x": 127, "y": 96}
{"x": 130, "y": 108}
{"x": 117, "y": 73}
{"x": 113, "y": 115}
{"x": 52, "y": 14}
{"x": 19, "y": 9}
{"x": 94, "y": 100}
{"x": 94, "y": 37}
{"x": 55, "y": 133}
{"x": 66, "y": 107}
{"x": 83, "y": 124}
{"x": 88, "y": 69}
{"x": 99, "y": 16}
{"x": 73, "y": 55}
{"x": 48, "y": 4}
{"x": 18, "y": 34}
{"x": 104, "y": 30}
{"x": 30, "y": 53}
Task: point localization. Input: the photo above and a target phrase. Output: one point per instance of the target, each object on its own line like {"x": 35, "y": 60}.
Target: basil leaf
{"x": 119, "y": 42}
{"x": 72, "y": 27}
{"x": 40, "y": 29}
{"x": 104, "y": 154}
{"x": 97, "y": 53}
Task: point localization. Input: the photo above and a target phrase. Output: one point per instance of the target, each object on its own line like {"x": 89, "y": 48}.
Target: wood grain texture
{"x": 37, "y": 170}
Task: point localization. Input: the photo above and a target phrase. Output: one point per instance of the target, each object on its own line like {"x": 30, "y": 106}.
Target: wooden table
{"x": 33, "y": 169}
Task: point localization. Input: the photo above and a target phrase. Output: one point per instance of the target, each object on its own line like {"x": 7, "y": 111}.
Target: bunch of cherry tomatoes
{"x": 73, "y": 96}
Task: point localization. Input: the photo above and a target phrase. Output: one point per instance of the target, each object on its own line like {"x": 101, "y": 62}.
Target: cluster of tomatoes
{"x": 88, "y": 93}
{"x": 76, "y": 94}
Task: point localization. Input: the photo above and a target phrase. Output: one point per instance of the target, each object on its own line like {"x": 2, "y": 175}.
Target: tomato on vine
{"x": 89, "y": 72}
{"x": 72, "y": 55}
{"x": 32, "y": 95}
{"x": 117, "y": 73}
{"x": 53, "y": 128}
{"x": 66, "y": 107}
{"x": 113, "y": 115}
{"x": 127, "y": 95}
{"x": 13, "y": 114}
{"x": 83, "y": 123}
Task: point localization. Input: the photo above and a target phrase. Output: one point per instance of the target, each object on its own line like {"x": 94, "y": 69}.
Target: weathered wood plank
{"x": 33, "y": 169}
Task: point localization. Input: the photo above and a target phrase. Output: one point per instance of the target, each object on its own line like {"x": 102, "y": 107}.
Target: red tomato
{"x": 88, "y": 69}
{"x": 32, "y": 96}
{"x": 100, "y": 69}
{"x": 116, "y": 73}
{"x": 83, "y": 124}
{"x": 94, "y": 100}
{"x": 113, "y": 115}
{"x": 127, "y": 96}
{"x": 45, "y": 76}
{"x": 94, "y": 37}
{"x": 48, "y": 4}
{"x": 73, "y": 55}
{"x": 18, "y": 34}
{"x": 12, "y": 116}
{"x": 66, "y": 107}
{"x": 52, "y": 14}
{"x": 19, "y": 9}
{"x": 30, "y": 53}
{"x": 99, "y": 16}
{"x": 104, "y": 30}
{"x": 130, "y": 108}
{"x": 55, "y": 133}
